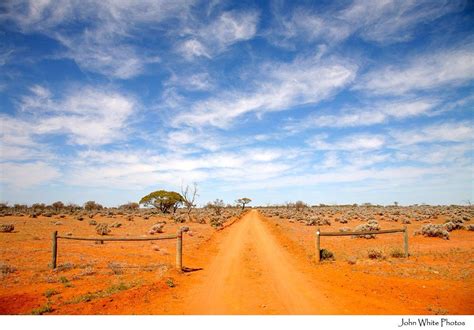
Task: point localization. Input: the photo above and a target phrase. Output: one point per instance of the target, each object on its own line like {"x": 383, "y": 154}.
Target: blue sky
{"x": 321, "y": 101}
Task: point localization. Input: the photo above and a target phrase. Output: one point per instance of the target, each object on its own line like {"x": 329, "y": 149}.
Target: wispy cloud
{"x": 442, "y": 132}
{"x": 453, "y": 67}
{"x": 351, "y": 142}
{"x": 207, "y": 40}
{"x": 394, "y": 20}
{"x": 102, "y": 43}
{"x": 280, "y": 87}
{"x": 382, "y": 22}
{"x": 376, "y": 113}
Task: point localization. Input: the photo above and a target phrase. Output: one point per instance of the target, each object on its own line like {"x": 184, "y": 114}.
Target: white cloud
{"x": 193, "y": 48}
{"x": 215, "y": 37}
{"x": 201, "y": 81}
{"x": 103, "y": 44}
{"x": 138, "y": 169}
{"x": 105, "y": 57}
{"x": 377, "y": 113}
{"x": 280, "y": 87}
{"x": 437, "y": 154}
{"x": 23, "y": 175}
{"x": 88, "y": 116}
{"x": 451, "y": 68}
{"x": 443, "y": 132}
{"x": 305, "y": 24}
{"x": 350, "y": 142}
{"x": 383, "y": 21}
{"x": 232, "y": 27}
{"x": 5, "y": 55}
{"x": 331, "y": 160}
{"x": 393, "y": 20}
{"x": 347, "y": 174}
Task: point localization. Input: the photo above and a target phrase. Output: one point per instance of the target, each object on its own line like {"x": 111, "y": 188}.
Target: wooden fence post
{"x": 179, "y": 250}
{"x": 318, "y": 246}
{"x": 405, "y": 239}
{"x": 55, "y": 249}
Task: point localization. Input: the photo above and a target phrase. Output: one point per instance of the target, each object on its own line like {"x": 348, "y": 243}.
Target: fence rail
{"x": 403, "y": 230}
{"x": 178, "y": 236}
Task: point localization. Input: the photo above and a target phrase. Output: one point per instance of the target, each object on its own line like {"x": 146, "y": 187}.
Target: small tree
{"x": 20, "y": 207}
{"x": 217, "y": 206}
{"x": 130, "y": 206}
{"x": 189, "y": 198}
{"x": 91, "y": 205}
{"x": 163, "y": 200}
{"x": 243, "y": 201}
{"x": 300, "y": 205}
{"x": 58, "y": 206}
{"x": 38, "y": 206}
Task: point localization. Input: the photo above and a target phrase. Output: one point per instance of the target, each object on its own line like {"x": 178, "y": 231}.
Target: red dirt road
{"x": 253, "y": 274}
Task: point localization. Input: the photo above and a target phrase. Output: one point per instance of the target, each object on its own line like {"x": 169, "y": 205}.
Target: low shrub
{"x": 454, "y": 225}
{"x": 170, "y": 283}
{"x": 178, "y": 218}
{"x": 42, "y": 310}
{"x": 216, "y": 221}
{"x": 64, "y": 267}
{"x": 325, "y": 254}
{"x": 397, "y": 253}
{"x": 375, "y": 254}
{"x": 315, "y": 221}
{"x": 50, "y": 292}
{"x": 6, "y": 269}
{"x": 157, "y": 228}
{"x": 102, "y": 229}
{"x": 371, "y": 225}
{"x": 116, "y": 268}
{"x": 88, "y": 271}
{"x": 63, "y": 279}
{"x": 432, "y": 230}
{"x": 7, "y": 228}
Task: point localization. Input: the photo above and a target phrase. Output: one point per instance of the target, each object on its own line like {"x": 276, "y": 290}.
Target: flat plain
{"x": 260, "y": 261}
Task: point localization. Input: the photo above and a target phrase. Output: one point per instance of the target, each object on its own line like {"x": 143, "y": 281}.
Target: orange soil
{"x": 256, "y": 266}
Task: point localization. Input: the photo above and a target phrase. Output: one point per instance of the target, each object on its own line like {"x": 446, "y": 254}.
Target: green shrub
{"x": 170, "y": 283}
{"x": 397, "y": 253}
{"x": 42, "y": 310}
{"x": 326, "y": 254}
{"x": 102, "y": 229}
{"x": 7, "y": 228}
{"x": 6, "y": 269}
{"x": 63, "y": 280}
{"x": 50, "y": 292}
{"x": 375, "y": 254}
{"x": 116, "y": 268}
